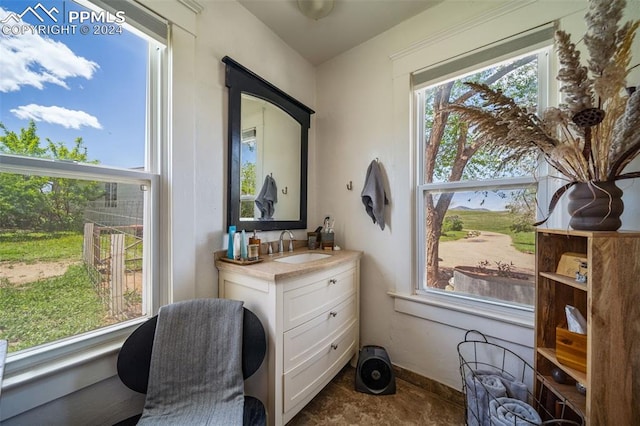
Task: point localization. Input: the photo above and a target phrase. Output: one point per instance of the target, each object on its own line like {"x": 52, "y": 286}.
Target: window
{"x": 248, "y": 155}
{"x": 80, "y": 137}
{"x": 476, "y": 207}
{"x": 111, "y": 194}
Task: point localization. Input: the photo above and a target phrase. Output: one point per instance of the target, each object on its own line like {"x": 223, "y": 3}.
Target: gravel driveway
{"x": 489, "y": 246}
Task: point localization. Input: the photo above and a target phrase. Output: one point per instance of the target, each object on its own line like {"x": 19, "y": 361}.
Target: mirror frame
{"x": 241, "y": 80}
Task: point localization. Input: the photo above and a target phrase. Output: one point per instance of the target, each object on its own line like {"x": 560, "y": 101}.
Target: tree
{"x": 522, "y": 209}
{"x": 247, "y": 187}
{"x": 452, "y": 152}
{"x": 43, "y": 202}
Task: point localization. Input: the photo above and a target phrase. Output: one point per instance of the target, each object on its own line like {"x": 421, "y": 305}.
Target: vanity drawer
{"x": 300, "y": 343}
{"x": 306, "y": 302}
{"x": 308, "y": 378}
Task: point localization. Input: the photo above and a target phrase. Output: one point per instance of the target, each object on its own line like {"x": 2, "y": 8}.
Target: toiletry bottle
{"x": 254, "y": 246}
{"x": 254, "y": 239}
{"x": 236, "y": 246}
{"x": 243, "y": 245}
{"x": 232, "y": 231}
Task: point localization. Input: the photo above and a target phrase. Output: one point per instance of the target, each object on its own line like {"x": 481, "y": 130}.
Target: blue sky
{"x": 74, "y": 85}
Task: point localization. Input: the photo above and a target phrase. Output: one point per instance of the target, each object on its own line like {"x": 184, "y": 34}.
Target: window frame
{"x": 32, "y": 364}
{"x": 420, "y": 289}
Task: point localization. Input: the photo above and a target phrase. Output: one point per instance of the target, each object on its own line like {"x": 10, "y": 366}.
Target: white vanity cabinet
{"x": 311, "y": 314}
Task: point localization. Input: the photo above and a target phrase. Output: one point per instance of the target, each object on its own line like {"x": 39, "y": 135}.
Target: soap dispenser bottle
{"x": 232, "y": 231}
{"x": 236, "y": 246}
{"x": 243, "y": 245}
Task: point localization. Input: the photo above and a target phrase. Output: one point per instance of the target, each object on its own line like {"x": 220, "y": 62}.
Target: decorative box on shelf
{"x": 571, "y": 349}
{"x": 573, "y": 265}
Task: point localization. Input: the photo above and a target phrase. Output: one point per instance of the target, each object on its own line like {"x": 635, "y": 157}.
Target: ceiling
{"x": 350, "y": 23}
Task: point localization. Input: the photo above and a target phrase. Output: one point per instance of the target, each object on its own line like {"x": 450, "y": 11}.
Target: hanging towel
{"x": 373, "y": 194}
{"x": 195, "y": 376}
{"x": 267, "y": 197}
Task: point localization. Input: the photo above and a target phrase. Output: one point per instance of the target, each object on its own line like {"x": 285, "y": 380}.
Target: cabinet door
{"x": 300, "y": 343}
{"x": 308, "y": 378}
{"x": 306, "y": 302}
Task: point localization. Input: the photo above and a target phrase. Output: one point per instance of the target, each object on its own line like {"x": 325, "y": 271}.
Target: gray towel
{"x": 196, "y": 365}
{"x": 373, "y": 194}
{"x": 484, "y": 386}
{"x": 512, "y": 412}
{"x": 267, "y": 197}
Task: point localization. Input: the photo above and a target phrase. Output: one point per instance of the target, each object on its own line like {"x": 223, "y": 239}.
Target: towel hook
{"x": 285, "y": 190}
{"x": 350, "y": 185}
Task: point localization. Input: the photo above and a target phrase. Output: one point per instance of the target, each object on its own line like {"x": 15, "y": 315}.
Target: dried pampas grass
{"x": 583, "y": 150}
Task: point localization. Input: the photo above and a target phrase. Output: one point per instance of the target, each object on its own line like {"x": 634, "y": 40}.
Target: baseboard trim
{"x": 441, "y": 390}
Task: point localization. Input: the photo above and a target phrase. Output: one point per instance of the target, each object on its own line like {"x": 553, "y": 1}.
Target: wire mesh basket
{"x": 496, "y": 383}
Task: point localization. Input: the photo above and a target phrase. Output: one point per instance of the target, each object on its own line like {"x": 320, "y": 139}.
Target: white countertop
{"x": 269, "y": 270}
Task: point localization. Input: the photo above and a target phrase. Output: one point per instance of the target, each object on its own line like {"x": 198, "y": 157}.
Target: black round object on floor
{"x": 374, "y": 374}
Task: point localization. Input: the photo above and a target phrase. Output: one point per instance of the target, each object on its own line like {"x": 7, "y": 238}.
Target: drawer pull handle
{"x": 333, "y": 281}
{"x": 333, "y": 314}
{"x": 334, "y": 346}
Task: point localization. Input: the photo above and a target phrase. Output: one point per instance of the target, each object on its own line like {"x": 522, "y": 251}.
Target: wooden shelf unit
{"x": 610, "y": 300}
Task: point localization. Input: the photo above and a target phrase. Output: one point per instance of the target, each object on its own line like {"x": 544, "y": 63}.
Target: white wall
{"x": 88, "y": 393}
{"x": 364, "y": 112}
{"x": 225, "y": 28}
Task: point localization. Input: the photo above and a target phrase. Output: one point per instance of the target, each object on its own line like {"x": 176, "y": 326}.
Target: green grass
{"x": 54, "y": 308}
{"x": 524, "y": 241}
{"x": 452, "y": 236}
{"x": 25, "y": 246}
{"x": 49, "y": 309}
{"x": 491, "y": 221}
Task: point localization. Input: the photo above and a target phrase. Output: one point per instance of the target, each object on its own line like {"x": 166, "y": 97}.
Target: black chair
{"x": 135, "y": 357}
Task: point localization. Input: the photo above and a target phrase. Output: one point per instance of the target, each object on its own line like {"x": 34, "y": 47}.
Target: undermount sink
{"x": 302, "y": 258}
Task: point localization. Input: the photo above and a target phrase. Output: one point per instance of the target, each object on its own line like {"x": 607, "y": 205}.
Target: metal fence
{"x": 112, "y": 253}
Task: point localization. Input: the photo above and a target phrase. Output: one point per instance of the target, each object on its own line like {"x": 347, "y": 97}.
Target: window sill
{"x": 40, "y": 371}
{"x": 28, "y": 365}
{"x": 465, "y": 314}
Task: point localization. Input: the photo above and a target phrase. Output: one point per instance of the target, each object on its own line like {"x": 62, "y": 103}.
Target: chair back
{"x": 134, "y": 359}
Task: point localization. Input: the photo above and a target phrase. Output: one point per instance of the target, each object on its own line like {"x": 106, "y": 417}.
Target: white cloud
{"x": 31, "y": 60}
{"x": 56, "y": 115}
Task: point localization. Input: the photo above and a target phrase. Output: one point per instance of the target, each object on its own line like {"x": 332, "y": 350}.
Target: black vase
{"x": 595, "y": 206}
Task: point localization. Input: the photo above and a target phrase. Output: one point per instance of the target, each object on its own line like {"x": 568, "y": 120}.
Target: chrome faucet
{"x": 280, "y": 245}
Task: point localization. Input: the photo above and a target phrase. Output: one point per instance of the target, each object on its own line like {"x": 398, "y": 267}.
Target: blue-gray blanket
{"x": 196, "y": 365}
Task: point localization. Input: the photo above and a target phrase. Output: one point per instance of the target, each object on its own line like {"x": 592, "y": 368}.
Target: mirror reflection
{"x": 269, "y": 162}
{"x": 267, "y": 154}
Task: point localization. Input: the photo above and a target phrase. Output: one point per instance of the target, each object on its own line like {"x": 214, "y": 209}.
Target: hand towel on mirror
{"x": 373, "y": 194}
{"x": 267, "y": 197}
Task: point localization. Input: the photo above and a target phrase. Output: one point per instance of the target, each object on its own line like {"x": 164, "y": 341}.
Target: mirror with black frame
{"x": 267, "y": 160}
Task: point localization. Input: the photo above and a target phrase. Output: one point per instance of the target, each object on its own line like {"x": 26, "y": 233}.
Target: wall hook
{"x": 285, "y": 190}
{"x": 350, "y": 185}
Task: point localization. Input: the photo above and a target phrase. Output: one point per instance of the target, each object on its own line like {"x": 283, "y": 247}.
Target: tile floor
{"x": 340, "y": 404}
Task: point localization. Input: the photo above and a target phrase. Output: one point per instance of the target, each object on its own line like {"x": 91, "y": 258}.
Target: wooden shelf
{"x": 567, "y": 393}
{"x": 550, "y": 354}
{"x": 564, "y": 280}
{"x": 608, "y": 301}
